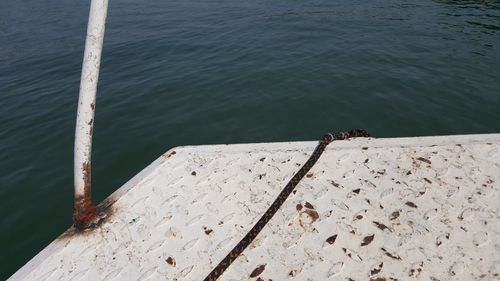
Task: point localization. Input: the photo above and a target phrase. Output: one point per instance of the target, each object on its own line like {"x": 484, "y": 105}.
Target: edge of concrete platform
{"x": 352, "y": 143}
{"x": 59, "y": 243}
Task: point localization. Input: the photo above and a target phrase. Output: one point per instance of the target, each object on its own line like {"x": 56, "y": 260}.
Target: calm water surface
{"x": 202, "y": 72}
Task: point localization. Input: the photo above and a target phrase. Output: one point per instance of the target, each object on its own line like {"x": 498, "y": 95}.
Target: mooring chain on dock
{"x": 257, "y": 228}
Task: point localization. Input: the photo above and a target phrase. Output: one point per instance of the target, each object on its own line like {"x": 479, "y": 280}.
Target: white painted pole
{"x": 85, "y": 213}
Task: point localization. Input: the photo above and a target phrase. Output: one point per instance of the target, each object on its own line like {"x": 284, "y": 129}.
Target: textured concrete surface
{"x": 370, "y": 209}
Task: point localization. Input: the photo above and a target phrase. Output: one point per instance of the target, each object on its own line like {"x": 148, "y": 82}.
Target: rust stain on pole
{"x": 85, "y": 212}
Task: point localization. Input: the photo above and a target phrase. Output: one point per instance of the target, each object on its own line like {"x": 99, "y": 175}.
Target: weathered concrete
{"x": 382, "y": 209}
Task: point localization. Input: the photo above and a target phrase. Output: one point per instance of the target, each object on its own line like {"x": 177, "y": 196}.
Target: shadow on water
{"x": 484, "y": 14}
{"x": 484, "y": 25}
{"x": 472, "y": 4}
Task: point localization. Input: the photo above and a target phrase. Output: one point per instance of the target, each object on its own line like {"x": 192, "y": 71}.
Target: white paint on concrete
{"x": 382, "y": 209}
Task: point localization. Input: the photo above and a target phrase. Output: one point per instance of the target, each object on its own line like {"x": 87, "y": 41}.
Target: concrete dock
{"x": 425, "y": 208}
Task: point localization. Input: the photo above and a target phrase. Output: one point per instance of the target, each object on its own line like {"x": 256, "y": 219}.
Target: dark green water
{"x": 203, "y": 72}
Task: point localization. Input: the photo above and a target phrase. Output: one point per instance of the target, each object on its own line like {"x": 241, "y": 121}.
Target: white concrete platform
{"x": 370, "y": 209}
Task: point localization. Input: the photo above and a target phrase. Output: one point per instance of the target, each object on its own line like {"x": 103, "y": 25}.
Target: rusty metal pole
{"x": 85, "y": 212}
